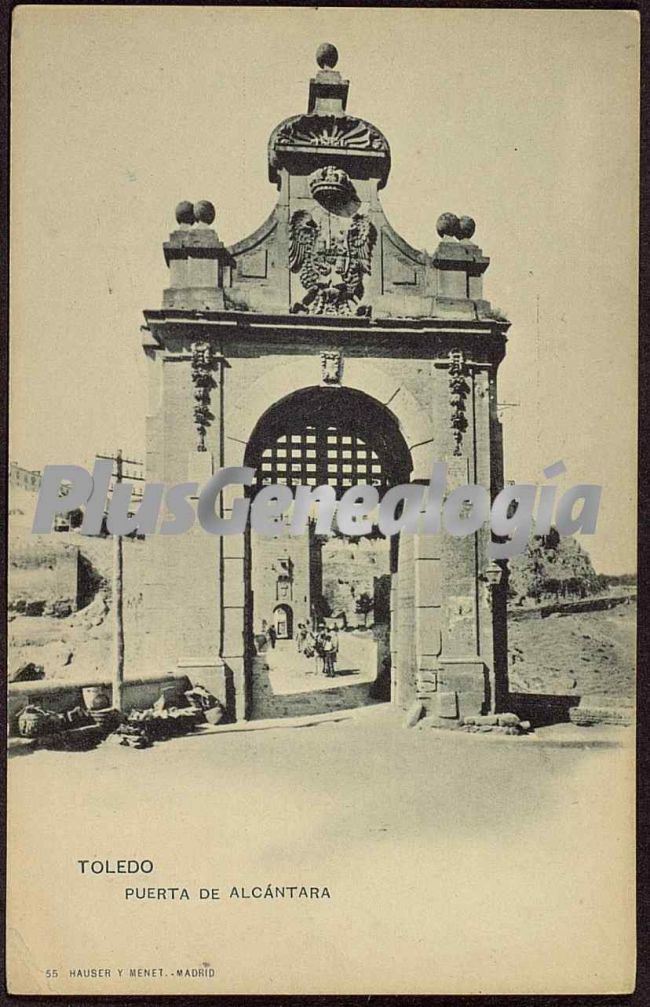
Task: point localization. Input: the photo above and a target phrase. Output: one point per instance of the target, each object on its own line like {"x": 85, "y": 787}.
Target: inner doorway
{"x": 283, "y": 621}
{"x": 322, "y": 591}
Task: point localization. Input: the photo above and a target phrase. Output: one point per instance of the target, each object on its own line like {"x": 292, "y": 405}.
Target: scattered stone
{"x": 507, "y": 719}
{"x": 78, "y": 717}
{"x": 34, "y": 608}
{"x": 58, "y": 609}
{"x": 158, "y": 722}
{"x": 585, "y": 715}
{"x": 201, "y": 698}
{"x": 34, "y": 722}
{"x": 131, "y": 735}
{"x": 415, "y": 713}
{"x": 501, "y": 723}
{"x": 107, "y": 719}
{"x": 77, "y": 739}
{"x": 28, "y": 672}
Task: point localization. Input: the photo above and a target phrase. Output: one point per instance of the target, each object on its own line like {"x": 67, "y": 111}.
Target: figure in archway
{"x": 335, "y": 436}
{"x": 301, "y": 636}
{"x": 330, "y": 652}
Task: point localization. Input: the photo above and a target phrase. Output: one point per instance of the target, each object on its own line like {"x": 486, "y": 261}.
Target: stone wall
{"x": 280, "y": 576}
{"x": 351, "y": 568}
{"x": 43, "y": 575}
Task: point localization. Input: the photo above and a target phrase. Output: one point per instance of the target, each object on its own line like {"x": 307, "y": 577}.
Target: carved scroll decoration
{"x": 203, "y": 381}
{"x": 458, "y": 391}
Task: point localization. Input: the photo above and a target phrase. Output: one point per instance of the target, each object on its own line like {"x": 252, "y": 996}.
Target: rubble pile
{"x": 28, "y": 671}
{"x": 169, "y": 717}
{"x": 73, "y": 729}
{"x": 495, "y": 723}
{"x": 142, "y": 727}
{"x": 172, "y": 715}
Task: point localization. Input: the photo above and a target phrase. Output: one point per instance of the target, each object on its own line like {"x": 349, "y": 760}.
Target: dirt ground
{"x": 72, "y": 649}
{"x": 79, "y": 647}
{"x": 291, "y": 672}
{"x": 454, "y": 864}
{"x": 588, "y": 653}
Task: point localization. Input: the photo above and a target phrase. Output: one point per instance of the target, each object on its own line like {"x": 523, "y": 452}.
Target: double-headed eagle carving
{"x": 331, "y": 270}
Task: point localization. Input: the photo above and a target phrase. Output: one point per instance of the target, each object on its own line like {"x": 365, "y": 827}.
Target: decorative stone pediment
{"x": 331, "y": 131}
{"x": 327, "y": 247}
{"x": 326, "y": 134}
{"x": 327, "y": 137}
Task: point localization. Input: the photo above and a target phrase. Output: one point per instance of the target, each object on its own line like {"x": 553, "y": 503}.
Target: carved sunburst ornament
{"x": 345, "y": 132}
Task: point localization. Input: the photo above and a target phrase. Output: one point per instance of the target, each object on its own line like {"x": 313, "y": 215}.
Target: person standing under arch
{"x": 329, "y": 654}
{"x": 301, "y": 637}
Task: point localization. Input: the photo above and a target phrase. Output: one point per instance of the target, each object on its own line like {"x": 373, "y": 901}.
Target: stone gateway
{"x": 324, "y": 350}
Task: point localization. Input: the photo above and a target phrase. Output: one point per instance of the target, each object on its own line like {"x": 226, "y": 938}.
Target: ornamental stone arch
{"x": 349, "y": 410}
{"x": 366, "y": 377}
{"x": 326, "y": 294}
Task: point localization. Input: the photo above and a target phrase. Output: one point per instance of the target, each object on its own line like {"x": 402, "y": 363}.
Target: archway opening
{"x": 283, "y": 622}
{"x": 337, "y": 588}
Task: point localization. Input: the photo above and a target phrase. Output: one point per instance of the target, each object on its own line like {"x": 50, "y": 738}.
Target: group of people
{"x": 322, "y": 646}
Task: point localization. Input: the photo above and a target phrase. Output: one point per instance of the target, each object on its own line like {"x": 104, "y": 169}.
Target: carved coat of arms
{"x": 331, "y": 362}
{"x": 331, "y": 269}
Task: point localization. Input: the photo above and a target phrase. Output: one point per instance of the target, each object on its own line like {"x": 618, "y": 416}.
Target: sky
{"x": 525, "y": 120}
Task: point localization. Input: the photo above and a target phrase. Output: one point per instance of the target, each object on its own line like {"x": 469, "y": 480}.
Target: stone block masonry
{"x": 324, "y": 349}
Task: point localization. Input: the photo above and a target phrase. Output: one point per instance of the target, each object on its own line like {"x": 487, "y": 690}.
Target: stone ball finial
{"x": 466, "y": 227}
{"x": 447, "y": 225}
{"x": 185, "y": 213}
{"x": 204, "y": 212}
{"x": 327, "y": 56}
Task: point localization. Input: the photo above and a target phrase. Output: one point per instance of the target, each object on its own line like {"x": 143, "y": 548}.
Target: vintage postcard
{"x": 322, "y": 501}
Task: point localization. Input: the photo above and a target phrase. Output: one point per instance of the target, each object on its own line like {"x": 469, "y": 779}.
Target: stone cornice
{"x": 245, "y": 319}
{"x": 426, "y": 338}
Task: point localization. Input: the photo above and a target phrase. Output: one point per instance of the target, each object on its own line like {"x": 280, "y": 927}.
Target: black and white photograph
{"x": 321, "y": 587}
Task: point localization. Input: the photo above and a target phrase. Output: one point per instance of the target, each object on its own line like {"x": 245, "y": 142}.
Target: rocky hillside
{"x": 551, "y": 568}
